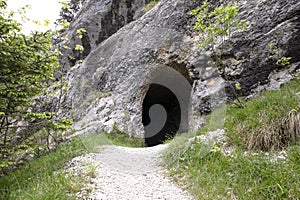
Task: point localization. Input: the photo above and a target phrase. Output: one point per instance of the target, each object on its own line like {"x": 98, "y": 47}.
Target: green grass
{"x": 259, "y": 116}
{"x": 150, "y": 5}
{"x": 208, "y": 174}
{"x": 263, "y": 112}
{"x": 120, "y": 138}
{"x": 36, "y": 179}
{"x": 43, "y": 178}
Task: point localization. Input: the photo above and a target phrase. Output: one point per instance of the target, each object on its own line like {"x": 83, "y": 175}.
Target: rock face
{"x": 247, "y": 55}
{"x": 100, "y": 19}
{"x": 110, "y": 89}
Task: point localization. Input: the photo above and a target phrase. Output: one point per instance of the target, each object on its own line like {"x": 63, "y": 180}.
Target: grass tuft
{"x": 276, "y": 135}
{"x": 266, "y": 122}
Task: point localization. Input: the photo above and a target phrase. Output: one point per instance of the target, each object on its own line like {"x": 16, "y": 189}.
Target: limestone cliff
{"x": 127, "y": 53}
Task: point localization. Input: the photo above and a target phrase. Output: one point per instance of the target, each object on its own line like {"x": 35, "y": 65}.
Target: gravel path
{"x": 133, "y": 174}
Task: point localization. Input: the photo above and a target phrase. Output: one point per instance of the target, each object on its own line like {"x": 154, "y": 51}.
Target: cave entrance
{"x": 166, "y": 104}
{"x": 161, "y": 115}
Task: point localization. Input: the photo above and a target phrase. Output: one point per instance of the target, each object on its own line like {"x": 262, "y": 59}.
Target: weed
{"x": 276, "y": 55}
{"x": 91, "y": 171}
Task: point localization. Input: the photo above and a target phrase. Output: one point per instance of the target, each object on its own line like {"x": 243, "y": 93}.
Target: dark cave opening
{"x": 160, "y": 95}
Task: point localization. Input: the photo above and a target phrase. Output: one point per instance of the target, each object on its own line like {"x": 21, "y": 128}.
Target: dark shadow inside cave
{"x": 158, "y": 94}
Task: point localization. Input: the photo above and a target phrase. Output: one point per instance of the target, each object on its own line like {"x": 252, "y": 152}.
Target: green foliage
{"x": 238, "y": 86}
{"x": 150, "y": 5}
{"x": 27, "y": 64}
{"x": 69, "y": 10}
{"x": 66, "y": 47}
{"x": 93, "y": 141}
{"x": 79, "y": 47}
{"x": 62, "y": 124}
{"x": 215, "y": 24}
{"x": 42, "y": 178}
{"x": 27, "y": 67}
{"x": 275, "y": 54}
{"x": 64, "y": 24}
{"x": 220, "y": 22}
{"x": 210, "y": 172}
{"x": 64, "y": 5}
{"x": 283, "y": 61}
{"x": 80, "y": 32}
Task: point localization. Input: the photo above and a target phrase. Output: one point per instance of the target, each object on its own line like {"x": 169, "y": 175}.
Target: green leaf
{"x": 238, "y": 86}
{"x": 220, "y": 22}
{"x": 66, "y": 47}
{"x": 79, "y": 47}
{"x": 65, "y": 24}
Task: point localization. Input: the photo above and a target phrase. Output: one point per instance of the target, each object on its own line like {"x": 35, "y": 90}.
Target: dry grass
{"x": 290, "y": 126}
{"x": 275, "y": 135}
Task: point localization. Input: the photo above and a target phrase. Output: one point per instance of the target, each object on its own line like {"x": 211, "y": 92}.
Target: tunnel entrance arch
{"x": 166, "y": 105}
